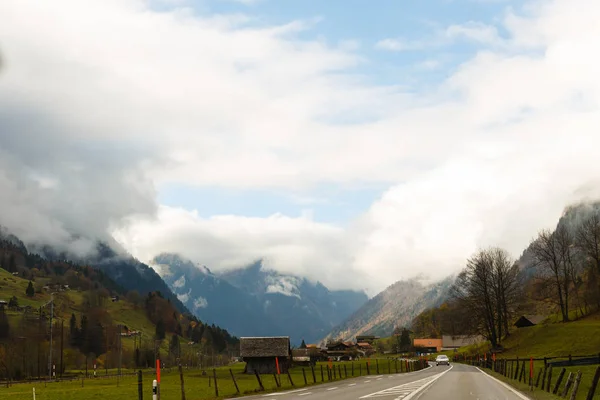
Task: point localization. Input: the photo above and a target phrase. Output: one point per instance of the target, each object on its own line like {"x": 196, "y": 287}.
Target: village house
{"x": 342, "y": 350}
{"x": 366, "y": 339}
{"x": 264, "y": 354}
{"x": 450, "y": 342}
{"x": 428, "y": 345}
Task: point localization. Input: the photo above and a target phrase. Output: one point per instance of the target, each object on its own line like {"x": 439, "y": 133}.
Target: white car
{"x": 442, "y": 359}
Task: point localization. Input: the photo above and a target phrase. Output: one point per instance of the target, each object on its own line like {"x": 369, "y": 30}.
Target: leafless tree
{"x": 488, "y": 288}
{"x": 587, "y": 241}
{"x": 554, "y": 255}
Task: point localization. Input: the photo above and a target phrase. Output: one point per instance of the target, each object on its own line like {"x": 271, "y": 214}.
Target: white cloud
{"x": 470, "y": 31}
{"x": 100, "y": 103}
{"x": 200, "y": 302}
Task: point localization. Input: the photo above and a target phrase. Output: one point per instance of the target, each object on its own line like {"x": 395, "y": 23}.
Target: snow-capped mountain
{"x": 254, "y": 301}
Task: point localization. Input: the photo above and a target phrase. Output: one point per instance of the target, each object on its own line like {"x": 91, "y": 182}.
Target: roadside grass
{"x": 536, "y": 394}
{"x": 197, "y": 386}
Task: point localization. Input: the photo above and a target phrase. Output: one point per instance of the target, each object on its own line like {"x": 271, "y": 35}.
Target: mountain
{"x": 254, "y": 301}
{"x": 395, "y": 306}
{"x": 572, "y": 218}
{"x": 110, "y": 258}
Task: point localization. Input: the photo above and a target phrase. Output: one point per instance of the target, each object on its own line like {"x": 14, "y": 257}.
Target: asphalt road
{"x": 456, "y": 382}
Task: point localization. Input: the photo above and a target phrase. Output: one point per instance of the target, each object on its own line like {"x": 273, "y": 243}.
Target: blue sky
{"x": 362, "y": 24}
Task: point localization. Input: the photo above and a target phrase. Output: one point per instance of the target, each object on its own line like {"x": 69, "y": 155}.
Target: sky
{"x": 352, "y": 142}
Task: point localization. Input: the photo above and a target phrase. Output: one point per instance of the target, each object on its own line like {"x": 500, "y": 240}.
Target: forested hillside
{"x": 93, "y": 320}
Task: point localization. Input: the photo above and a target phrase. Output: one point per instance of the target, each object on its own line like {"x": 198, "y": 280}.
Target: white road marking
{"x": 352, "y": 384}
{"x": 284, "y": 393}
{"x": 407, "y": 390}
{"x": 378, "y": 379}
{"x": 367, "y": 381}
{"x": 521, "y": 395}
{"x": 333, "y": 388}
{"x": 305, "y": 394}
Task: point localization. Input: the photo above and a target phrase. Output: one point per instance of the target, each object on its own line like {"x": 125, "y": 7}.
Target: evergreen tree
{"x": 303, "y": 345}
{"x": 12, "y": 265}
{"x": 13, "y": 302}
{"x": 174, "y": 345}
{"x": 73, "y": 332}
{"x": 160, "y": 329}
{"x": 405, "y": 340}
{"x": 4, "y": 325}
{"x": 30, "y": 291}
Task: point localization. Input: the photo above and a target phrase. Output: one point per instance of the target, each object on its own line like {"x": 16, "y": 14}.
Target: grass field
{"x": 197, "y": 386}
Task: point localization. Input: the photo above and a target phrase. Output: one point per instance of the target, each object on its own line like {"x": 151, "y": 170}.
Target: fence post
{"x": 140, "y": 390}
{"x": 395, "y": 365}
{"x": 537, "y": 381}
{"x": 576, "y": 386}
{"x": 313, "y": 374}
{"x": 377, "y": 366}
{"x": 544, "y": 377}
{"x": 235, "y": 382}
{"x": 154, "y": 390}
{"x": 549, "y": 383}
{"x": 345, "y": 371}
{"x": 216, "y": 386}
{"x": 559, "y": 380}
{"x": 182, "y": 386}
{"x": 340, "y": 370}
{"x": 368, "y": 372}
{"x": 276, "y": 380}
{"x": 304, "y": 375}
{"x": 592, "y": 390}
{"x": 352, "y": 368}
{"x": 290, "y": 378}
{"x": 259, "y": 381}
{"x": 568, "y": 384}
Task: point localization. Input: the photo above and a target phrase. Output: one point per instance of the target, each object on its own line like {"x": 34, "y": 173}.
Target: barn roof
{"x": 534, "y": 319}
{"x": 275, "y": 346}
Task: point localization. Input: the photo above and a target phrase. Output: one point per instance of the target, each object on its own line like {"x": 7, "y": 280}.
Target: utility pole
{"x": 51, "y": 302}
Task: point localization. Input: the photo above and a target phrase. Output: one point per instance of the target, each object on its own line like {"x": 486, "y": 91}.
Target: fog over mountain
{"x": 229, "y": 135}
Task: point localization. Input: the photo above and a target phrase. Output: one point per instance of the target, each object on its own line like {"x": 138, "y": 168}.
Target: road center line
{"x": 333, "y": 388}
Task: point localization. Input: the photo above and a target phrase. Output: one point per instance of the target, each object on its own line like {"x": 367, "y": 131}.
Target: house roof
{"x": 276, "y": 346}
{"x": 534, "y": 319}
{"x": 363, "y": 344}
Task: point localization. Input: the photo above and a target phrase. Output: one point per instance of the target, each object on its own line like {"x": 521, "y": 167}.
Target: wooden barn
{"x": 529, "y": 320}
{"x": 305, "y": 357}
{"x": 261, "y": 354}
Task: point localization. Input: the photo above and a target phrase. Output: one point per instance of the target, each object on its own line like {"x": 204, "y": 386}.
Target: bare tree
{"x": 488, "y": 289}
{"x": 554, "y": 254}
{"x": 587, "y": 240}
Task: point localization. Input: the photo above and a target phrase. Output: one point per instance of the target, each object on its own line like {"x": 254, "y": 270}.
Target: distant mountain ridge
{"x": 254, "y": 301}
{"x": 395, "y": 306}
{"x": 111, "y": 259}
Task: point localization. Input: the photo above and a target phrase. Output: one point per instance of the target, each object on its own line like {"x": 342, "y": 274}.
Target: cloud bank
{"x": 101, "y": 102}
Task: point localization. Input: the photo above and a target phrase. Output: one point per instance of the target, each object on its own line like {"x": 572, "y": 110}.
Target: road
{"x": 456, "y": 382}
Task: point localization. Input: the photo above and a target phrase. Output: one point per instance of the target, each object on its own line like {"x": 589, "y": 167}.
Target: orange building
{"x": 430, "y": 345}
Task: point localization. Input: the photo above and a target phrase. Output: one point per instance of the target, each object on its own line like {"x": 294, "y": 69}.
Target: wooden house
{"x": 261, "y": 354}
{"x": 305, "y": 357}
{"x": 529, "y": 320}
